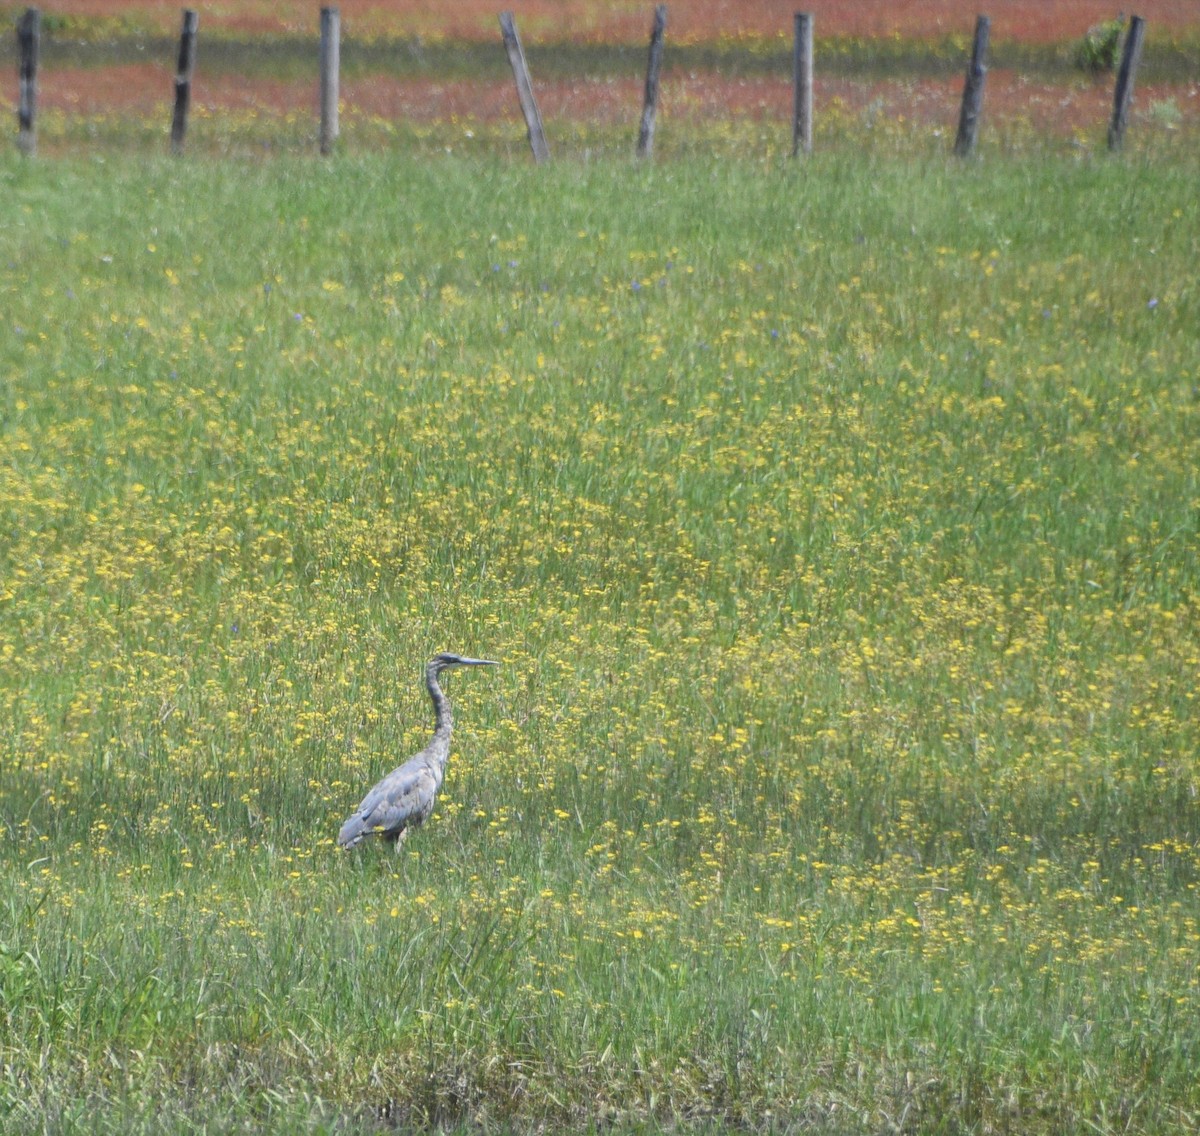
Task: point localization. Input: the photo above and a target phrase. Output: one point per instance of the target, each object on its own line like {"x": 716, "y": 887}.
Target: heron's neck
{"x": 443, "y": 722}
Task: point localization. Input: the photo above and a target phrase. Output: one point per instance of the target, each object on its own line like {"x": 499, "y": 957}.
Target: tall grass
{"x": 838, "y": 527}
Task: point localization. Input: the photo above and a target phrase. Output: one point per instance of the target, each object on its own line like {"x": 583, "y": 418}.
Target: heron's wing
{"x": 403, "y": 797}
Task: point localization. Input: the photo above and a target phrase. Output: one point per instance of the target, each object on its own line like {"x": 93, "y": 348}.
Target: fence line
{"x": 802, "y": 82}
{"x": 645, "y": 144}
{"x": 29, "y": 41}
{"x": 972, "y": 100}
{"x": 330, "y": 61}
{"x": 183, "y": 78}
{"x": 520, "y": 69}
{"x": 1131, "y": 56}
{"x": 29, "y": 38}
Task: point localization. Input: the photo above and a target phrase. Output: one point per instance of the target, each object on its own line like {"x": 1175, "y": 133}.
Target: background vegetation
{"x": 416, "y": 76}
{"x": 838, "y": 527}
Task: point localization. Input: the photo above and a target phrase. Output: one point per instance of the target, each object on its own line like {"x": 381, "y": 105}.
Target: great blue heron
{"x": 404, "y": 798}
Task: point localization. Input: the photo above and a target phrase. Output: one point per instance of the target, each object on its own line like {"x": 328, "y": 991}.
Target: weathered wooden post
{"x": 972, "y": 100}
{"x": 183, "y": 78}
{"x": 1131, "y": 56}
{"x": 29, "y": 40}
{"x": 802, "y": 73}
{"x": 645, "y": 143}
{"x": 516, "y": 57}
{"x": 331, "y": 28}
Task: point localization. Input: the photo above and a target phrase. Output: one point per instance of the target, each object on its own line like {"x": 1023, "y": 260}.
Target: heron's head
{"x": 446, "y": 660}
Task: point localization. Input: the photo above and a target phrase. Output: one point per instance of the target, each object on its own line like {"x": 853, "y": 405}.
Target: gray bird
{"x": 404, "y": 798}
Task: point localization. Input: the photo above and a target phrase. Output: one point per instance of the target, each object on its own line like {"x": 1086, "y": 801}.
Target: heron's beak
{"x": 480, "y": 662}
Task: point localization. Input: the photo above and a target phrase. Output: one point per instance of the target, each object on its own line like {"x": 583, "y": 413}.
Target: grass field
{"x": 838, "y": 528}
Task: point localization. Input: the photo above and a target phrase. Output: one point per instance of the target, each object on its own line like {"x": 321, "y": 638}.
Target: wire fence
{"x": 464, "y": 85}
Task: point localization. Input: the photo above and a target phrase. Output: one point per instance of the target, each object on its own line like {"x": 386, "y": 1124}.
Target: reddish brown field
{"x": 143, "y": 90}
{"x": 1030, "y": 21}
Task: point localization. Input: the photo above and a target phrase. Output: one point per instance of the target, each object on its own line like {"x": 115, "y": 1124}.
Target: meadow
{"x": 838, "y": 527}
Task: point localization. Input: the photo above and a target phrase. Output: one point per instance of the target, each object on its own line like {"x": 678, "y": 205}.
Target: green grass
{"x": 838, "y": 526}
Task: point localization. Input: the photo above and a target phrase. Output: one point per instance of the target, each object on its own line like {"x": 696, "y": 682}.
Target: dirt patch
{"x": 145, "y": 90}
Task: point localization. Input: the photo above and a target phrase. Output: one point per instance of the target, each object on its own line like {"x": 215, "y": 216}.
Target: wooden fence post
{"x": 1131, "y": 56}
{"x": 331, "y": 28}
{"x": 645, "y": 144}
{"x": 29, "y": 40}
{"x": 802, "y": 73}
{"x": 516, "y": 57}
{"x": 972, "y": 100}
{"x": 183, "y": 78}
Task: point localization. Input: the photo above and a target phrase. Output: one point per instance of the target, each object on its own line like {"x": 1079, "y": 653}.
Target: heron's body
{"x": 405, "y": 797}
